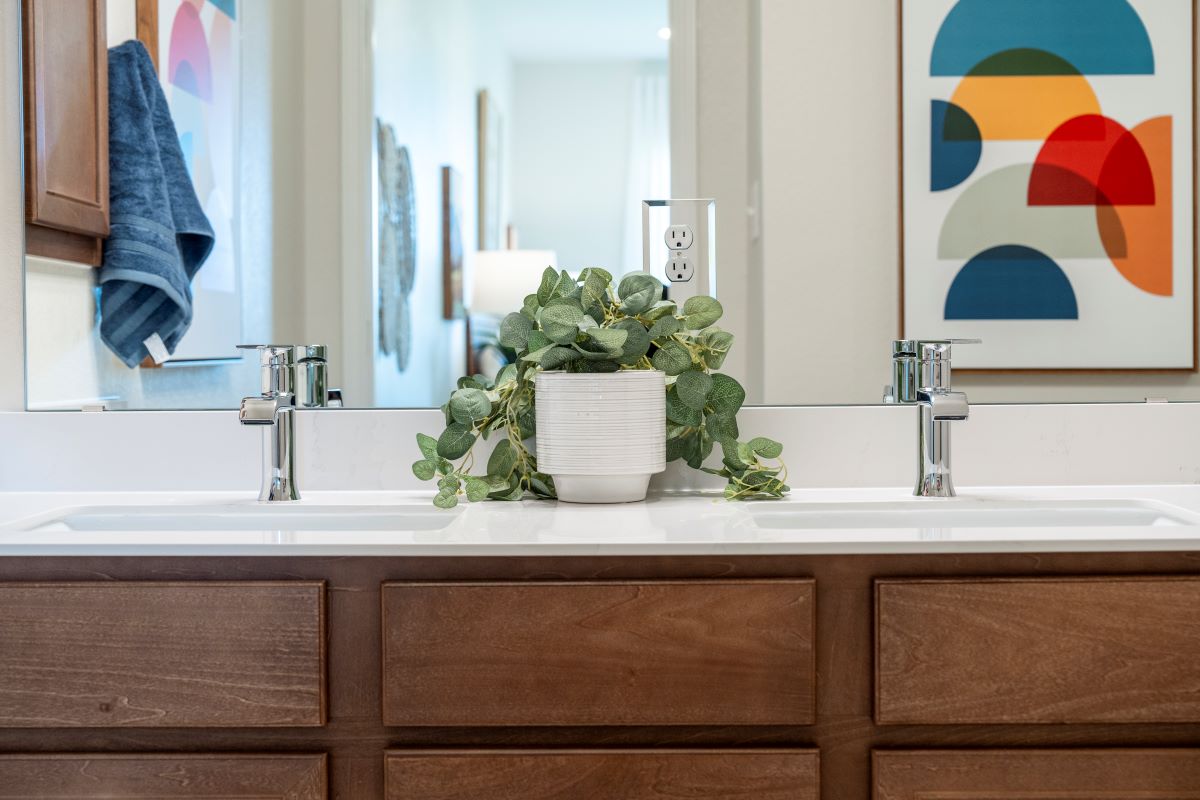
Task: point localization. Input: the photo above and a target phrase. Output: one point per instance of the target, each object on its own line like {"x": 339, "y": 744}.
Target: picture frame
{"x": 452, "y": 246}
{"x": 1029, "y": 216}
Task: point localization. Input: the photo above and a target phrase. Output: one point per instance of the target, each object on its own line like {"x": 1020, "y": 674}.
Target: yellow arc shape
{"x": 1024, "y": 107}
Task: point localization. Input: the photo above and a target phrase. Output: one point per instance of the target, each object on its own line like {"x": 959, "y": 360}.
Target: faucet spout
{"x": 275, "y": 410}
{"x": 944, "y": 405}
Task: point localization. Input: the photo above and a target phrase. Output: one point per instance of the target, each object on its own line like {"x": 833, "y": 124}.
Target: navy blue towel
{"x": 159, "y": 234}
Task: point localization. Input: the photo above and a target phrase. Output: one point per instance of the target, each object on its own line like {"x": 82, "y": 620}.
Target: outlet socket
{"x": 681, "y": 268}
{"x": 678, "y": 237}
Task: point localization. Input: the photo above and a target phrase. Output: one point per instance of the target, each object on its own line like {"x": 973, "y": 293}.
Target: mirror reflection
{"x": 376, "y": 183}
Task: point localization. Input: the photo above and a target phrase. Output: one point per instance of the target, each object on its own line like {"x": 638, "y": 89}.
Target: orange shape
{"x": 1138, "y": 238}
{"x": 1024, "y": 107}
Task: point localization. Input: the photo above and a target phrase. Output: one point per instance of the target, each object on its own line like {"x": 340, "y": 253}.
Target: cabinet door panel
{"x": 83, "y": 776}
{"x": 66, "y": 115}
{"x": 599, "y": 653}
{"x": 1038, "y": 650}
{"x": 603, "y": 775}
{"x": 1117, "y": 774}
{"x": 128, "y": 654}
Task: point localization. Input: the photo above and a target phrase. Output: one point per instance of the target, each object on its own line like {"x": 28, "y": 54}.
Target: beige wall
{"x": 830, "y": 199}
{"x": 12, "y": 214}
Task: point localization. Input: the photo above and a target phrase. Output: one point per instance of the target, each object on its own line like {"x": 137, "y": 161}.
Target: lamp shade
{"x": 501, "y": 279}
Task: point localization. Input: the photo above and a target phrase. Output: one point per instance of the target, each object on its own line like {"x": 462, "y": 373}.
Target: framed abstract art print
{"x": 1048, "y": 181}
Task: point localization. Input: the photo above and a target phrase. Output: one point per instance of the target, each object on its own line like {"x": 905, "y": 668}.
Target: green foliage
{"x": 585, "y": 325}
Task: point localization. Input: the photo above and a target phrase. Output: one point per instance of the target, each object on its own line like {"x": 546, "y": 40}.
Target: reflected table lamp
{"x": 499, "y": 282}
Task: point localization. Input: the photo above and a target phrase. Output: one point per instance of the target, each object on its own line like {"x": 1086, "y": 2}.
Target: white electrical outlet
{"x": 681, "y": 268}
{"x": 678, "y": 237}
{"x": 679, "y": 246}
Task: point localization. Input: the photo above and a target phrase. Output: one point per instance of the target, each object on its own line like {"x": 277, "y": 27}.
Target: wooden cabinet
{"x": 83, "y": 776}
{"x": 1098, "y": 774}
{"x": 66, "y": 128}
{"x": 602, "y": 775}
{"x": 1039, "y": 650}
{"x": 163, "y": 655}
{"x": 599, "y": 653}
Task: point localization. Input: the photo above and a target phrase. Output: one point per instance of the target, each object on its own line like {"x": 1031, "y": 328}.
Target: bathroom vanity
{"x": 828, "y": 646}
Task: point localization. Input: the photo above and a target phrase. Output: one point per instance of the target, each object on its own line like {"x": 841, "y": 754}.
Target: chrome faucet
{"x": 921, "y": 377}
{"x": 276, "y": 407}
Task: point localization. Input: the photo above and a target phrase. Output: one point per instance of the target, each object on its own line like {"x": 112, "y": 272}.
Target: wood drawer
{"x": 599, "y": 653}
{"x": 602, "y": 775}
{"x": 79, "y": 776}
{"x": 1038, "y": 650}
{"x": 133, "y": 654}
{"x": 1110, "y": 774}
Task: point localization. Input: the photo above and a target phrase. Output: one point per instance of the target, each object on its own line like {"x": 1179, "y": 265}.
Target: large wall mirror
{"x": 383, "y": 177}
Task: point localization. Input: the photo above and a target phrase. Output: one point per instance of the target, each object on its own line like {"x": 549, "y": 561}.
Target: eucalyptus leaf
{"x": 767, "y": 448}
{"x": 477, "y": 489}
{"x": 721, "y": 426}
{"x": 541, "y": 484}
{"x": 546, "y": 289}
{"x": 599, "y": 366}
{"x": 680, "y": 412}
{"x": 592, "y": 273}
{"x": 531, "y": 306}
{"x": 428, "y": 446}
{"x": 717, "y": 344}
{"x": 506, "y": 375}
{"x": 727, "y": 394}
{"x": 503, "y": 460}
{"x": 558, "y": 357}
{"x": 672, "y": 358}
{"x": 664, "y": 327}
{"x": 445, "y": 499}
{"x": 455, "y": 441}
{"x": 663, "y": 308}
{"x": 514, "y": 331}
{"x": 611, "y": 340}
{"x": 449, "y": 483}
{"x": 537, "y": 340}
{"x": 595, "y": 288}
{"x": 638, "y": 292}
{"x": 701, "y": 311}
{"x": 467, "y": 382}
{"x": 469, "y": 405}
{"x": 637, "y": 340}
{"x": 560, "y": 322}
{"x": 536, "y": 355}
{"x": 693, "y": 388}
{"x": 424, "y": 469}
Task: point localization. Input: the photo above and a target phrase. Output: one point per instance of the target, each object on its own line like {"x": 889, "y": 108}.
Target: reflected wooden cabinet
{"x": 66, "y": 128}
{"x": 1096, "y": 774}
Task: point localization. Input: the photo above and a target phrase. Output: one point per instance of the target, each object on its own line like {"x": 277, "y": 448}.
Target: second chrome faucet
{"x": 921, "y": 377}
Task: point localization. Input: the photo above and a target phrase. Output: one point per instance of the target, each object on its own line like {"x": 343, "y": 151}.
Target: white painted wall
{"x": 571, "y": 151}
{"x": 12, "y": 214}
{"x": 430, "y": 60}
{"x": 830, "y": 199}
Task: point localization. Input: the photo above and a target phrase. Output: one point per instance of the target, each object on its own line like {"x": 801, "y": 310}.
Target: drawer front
{"x": 603, "y": 775}
{"x": 205, "y": 654}
{"x": 1042, "y": 650}
{"x": 80, "y": 776}
{"x": 1115, "y": 774}
{"x": 603, "y": 653}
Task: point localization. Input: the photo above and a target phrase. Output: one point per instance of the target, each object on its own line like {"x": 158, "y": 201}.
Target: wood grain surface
{"x": 845, "y": 731}
{"x": 1116, "y": 774}
{"x": 1038, "y": 651}
{"x": 603, "y": 775}
{"x": 601, "y": 653}
{"x": 131, "y": 654}
{"x": 192, "y": 776}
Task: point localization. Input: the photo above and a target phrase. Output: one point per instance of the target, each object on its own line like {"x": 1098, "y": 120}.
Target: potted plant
{"x": 584, "y": 325}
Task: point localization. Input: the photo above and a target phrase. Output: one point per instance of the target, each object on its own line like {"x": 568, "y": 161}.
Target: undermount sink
{"x": 245, "y": 517}
{"x": 968, "y": 513}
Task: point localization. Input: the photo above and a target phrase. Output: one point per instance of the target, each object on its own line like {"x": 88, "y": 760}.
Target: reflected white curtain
{"x": 649, "y": 156}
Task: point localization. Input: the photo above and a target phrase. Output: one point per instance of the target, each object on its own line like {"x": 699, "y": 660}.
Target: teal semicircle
{"x": 1096, "y": 37}
{"x": 1011, "y": 282}
{"x": 955, "y": 145}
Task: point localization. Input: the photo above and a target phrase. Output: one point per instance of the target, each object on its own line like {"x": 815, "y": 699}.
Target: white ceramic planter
{"x": 601, "y": 436}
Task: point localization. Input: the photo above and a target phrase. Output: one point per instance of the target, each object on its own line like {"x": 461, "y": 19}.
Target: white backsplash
{"x": 825, "y": 447}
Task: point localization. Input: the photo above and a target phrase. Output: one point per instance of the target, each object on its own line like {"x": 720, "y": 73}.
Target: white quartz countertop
{"x": 1109, "y": 518}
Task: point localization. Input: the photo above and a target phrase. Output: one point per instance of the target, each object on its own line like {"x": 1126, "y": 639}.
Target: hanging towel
{"x": 159, "y": 235}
